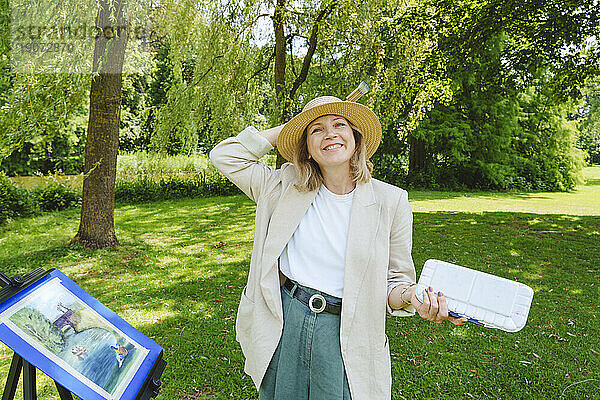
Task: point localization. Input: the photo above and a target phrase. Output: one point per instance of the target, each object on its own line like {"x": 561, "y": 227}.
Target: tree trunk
{"x": 96, "y": 227}
{"x": 283, "y": 97}
{"x": 280, "y": 54}
{"x": 279, "y": 68}
{"x": 416, "y": 161}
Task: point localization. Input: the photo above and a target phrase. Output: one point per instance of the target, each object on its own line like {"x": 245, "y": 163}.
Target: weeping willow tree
{"x": 214, "y": 91}
{"x": 36, "y": 103}
{"x": 260, "y": 63}
{"x": 240, "y": 64}
{"x": 393, "y": 46}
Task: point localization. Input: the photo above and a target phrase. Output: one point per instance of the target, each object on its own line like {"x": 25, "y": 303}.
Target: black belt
{"x": 315, "y": 302}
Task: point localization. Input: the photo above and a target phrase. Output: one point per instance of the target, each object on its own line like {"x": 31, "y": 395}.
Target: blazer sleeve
{"x": 237, "y": 158}
{"x": 401, "y": 269}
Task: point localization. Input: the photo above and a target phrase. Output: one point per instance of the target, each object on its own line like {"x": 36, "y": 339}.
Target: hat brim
{"x": 359, "y": 115}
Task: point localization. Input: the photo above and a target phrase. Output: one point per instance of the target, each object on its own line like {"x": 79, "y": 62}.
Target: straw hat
{"x": 360, "y": 116}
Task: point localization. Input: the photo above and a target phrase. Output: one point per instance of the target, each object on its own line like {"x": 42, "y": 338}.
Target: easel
{"x": 11, "y": 286}
{"x": 29, "y": 386}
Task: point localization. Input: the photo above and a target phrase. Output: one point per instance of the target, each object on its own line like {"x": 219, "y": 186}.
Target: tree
{"x": 96, "y": 227}
{"x": 207, "y": 63}
{"x": 546, "y": 35}
{"x": 315, "y": 48}
{"x": 496, "y": 53}
{"x": 589, "y": 138}
{"x": 497, "y": 133}
{"x": 393, "y": 45}
{"x": 308, "y": 19}
{"x": 35, "y": 106}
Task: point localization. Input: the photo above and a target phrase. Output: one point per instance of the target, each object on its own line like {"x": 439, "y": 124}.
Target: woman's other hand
{"x": 434, "y": 307}
{"x": 272, "y": 134}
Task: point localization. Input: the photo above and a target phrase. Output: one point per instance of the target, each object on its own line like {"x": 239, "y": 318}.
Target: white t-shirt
{"x": 315, "y": 255}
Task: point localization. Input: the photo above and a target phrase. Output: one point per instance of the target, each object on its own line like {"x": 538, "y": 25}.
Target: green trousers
{"x": 307, "y": 364}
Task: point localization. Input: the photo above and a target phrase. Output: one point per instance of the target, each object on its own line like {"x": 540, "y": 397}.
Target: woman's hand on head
{"x": 272, "y": 134}
{"x": 434, "y": 307}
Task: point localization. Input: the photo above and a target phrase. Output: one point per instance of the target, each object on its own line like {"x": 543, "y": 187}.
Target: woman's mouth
{"x": 332, "y": 146}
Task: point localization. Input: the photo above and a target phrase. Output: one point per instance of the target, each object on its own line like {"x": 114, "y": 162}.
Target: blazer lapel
{"x": 364, "y": 221}
{"x": 285, "y": 219}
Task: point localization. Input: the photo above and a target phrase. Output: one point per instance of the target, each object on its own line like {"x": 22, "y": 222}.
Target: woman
{"x": 331, "y": 255}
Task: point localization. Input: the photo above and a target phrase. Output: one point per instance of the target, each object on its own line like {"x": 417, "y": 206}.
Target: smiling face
{"x": 330, "y": 141}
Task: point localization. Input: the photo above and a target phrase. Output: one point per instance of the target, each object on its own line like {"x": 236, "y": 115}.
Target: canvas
{"x": 70, "y": 336}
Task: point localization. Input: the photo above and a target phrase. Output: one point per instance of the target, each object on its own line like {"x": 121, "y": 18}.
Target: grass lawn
{"x": 583, "y": 201}
{"x": 182, "y": 265}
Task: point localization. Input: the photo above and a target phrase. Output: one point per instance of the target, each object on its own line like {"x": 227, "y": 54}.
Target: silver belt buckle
{"x": 313, "y": 308}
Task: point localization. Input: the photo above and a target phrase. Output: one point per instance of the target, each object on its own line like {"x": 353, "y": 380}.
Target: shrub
{"x": 56, "y": 196}
{"x": 138, "y": 191}
{"x": 390, "y": 168}
{"x": 140, "y": 163}
{"x": 203, "y": 184}
{"x": 14, "y": 201}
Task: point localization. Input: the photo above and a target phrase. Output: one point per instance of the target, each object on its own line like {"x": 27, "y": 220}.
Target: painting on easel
{"x": 74, "y": 340}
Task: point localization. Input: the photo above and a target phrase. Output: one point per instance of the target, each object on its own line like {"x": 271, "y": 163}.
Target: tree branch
{"x": 295, "y": 35}
{"x": 290, "y": 42}
{"x": 279, "y": 73}
{"x": 312, "y": 46}
{"x": 212, "y": 65}
{"x": 258, "y": 71}
{"x": 296, "y": 12}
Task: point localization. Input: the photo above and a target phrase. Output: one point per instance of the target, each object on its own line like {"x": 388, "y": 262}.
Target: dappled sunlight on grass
{"x": 136, "y": 316}
{"x": 530, "y": 277}
{"x": 461, "y": 331}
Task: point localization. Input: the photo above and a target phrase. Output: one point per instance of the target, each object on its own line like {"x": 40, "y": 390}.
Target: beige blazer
{"x": 378, "y": 257}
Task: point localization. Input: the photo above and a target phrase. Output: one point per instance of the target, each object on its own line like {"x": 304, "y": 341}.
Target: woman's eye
{"x": 340, "y": 124}
{"x": 316, "y": 130}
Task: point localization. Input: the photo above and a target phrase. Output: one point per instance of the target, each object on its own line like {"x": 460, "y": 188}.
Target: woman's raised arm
{"x": 237, "y": 158}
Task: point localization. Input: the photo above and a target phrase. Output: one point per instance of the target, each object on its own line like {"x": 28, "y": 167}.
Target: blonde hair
{"x": 309, "y": 172}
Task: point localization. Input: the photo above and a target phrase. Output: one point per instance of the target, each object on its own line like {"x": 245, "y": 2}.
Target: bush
{"x": 14, "y": 201}
{"x": 56, "y": 196}
{"x": 203, "y": 184}
{"x": 140, "y": 163}
{"x": 390, "y": 168}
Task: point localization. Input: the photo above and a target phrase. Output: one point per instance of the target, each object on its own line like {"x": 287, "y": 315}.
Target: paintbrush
{"x": 362, "y": 89}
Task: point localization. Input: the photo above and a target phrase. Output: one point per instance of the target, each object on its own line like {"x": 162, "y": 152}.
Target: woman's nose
{"x": 330, "y": 132}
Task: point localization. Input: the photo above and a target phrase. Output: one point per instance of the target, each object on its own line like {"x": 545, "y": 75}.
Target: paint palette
{"x": 484, "y": 299}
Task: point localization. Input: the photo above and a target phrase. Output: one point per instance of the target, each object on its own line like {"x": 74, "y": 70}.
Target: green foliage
{"x": 513, "y": 149}
{"x": 145, "y": 188}
{"x": 158, "y": 82}
{"x": 393, "y": 46}
{"x": 209, "y": 95}
{"x": 390, "y": 168}
{"x": 498, "y": 133}
{"x": 55, "y": 196}
{"x": 40, "y": 107}
{"x": 14, "y": 201}
{"x": 482, "y": 86}
{"x": 135, "y": 112}
{"x": 40, "y": 328}
{"x": 589, "y": 138}
{"x": 141, "y": 163}
{"x": 62, "y": 153}
{"x": 559, "y": 36}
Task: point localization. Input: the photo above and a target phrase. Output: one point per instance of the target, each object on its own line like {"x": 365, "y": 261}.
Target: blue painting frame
{"x": 77, "y": 341}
